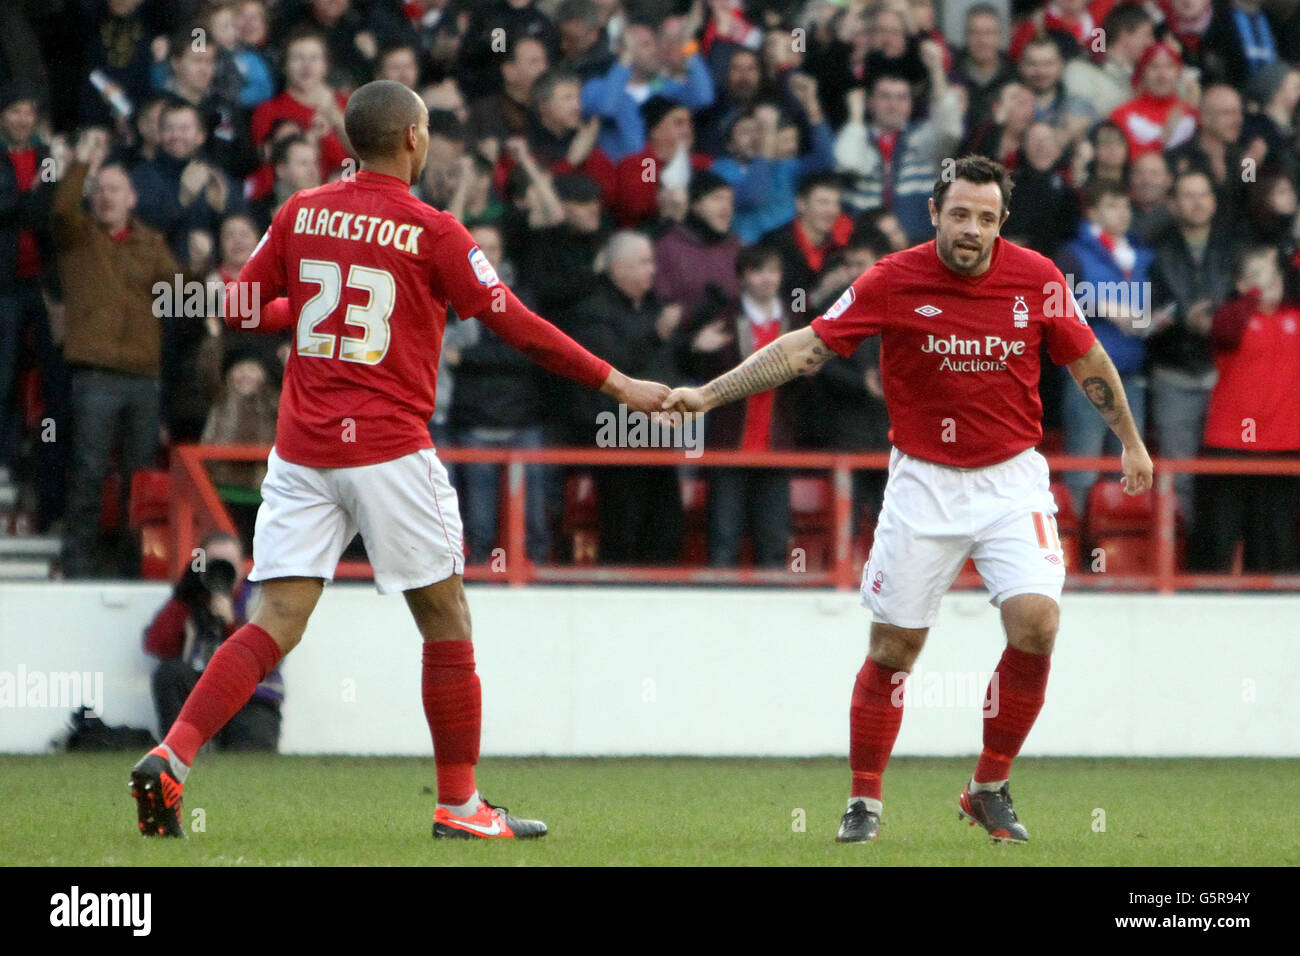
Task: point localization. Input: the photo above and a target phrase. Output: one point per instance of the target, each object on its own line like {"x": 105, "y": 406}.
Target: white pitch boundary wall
{"x": 594, "y": 671}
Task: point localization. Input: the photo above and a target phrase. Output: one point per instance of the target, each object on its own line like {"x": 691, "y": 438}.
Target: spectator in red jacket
{"x": 666, "y": 160}
{"x": 1157, "y": 118}
{"x": 1253, "y": 411}
{"x": 209, "y": 604}
{"x": 308, "y": 101}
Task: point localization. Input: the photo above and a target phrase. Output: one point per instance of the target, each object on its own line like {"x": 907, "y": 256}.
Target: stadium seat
{"x": 1122, "y": 527}
{"x": 153, "y": 552}
{"x": 1068, "y": 526}
{"x": 1125, "y": 553}
{"x": 150, "y": 497}
{"x": 695, "y": 506}
{"x": 580, "y": 523}
{"x": 1111, "y": 511}
{"x": 811, "y": 520}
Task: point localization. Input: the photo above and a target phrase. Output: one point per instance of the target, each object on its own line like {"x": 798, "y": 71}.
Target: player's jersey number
{"x": 367, "y": 349}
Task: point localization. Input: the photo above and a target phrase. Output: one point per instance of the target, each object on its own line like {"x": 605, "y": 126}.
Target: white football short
{"x": 935, "y": 516}
{"x": 405, "y": 509}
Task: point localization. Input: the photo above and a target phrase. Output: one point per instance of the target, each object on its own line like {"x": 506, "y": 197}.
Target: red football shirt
{"x": 369, "y": 270}
{"x": 959, "y": 355}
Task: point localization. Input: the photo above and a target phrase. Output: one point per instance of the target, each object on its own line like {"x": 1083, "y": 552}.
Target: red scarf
{"x": 757, "y": 435}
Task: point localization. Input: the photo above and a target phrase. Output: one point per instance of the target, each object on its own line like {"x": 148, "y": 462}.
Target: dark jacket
{"x": 158, "y": 201}
{"x": 726, "y": 423}
{"x": 1044, "y": 210}
{"x": 496, "y": 386}
{"x": 556, "y": 268}
{"x": 1222, "y": 54}
{"x": 1178, "y": 280}
{"x": 25, "y": 210}
{"x": 622, "y": 333}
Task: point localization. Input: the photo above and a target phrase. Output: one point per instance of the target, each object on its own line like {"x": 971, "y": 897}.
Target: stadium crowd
{"x": 674, "y": 184}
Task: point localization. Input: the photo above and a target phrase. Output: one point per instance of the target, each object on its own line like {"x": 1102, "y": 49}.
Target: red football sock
{"x": 1020, "y": 684}
{"x": 233, "y": 673}
{"x": 453, "y": 706}
{"x": 874, "y": 719}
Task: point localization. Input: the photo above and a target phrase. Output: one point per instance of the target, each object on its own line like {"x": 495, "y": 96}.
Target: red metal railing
{"x": 196, "y": 508}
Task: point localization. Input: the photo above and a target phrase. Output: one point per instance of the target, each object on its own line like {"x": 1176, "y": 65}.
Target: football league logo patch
{"x": 843, "y": 302}
{"x": 483, "y": 270}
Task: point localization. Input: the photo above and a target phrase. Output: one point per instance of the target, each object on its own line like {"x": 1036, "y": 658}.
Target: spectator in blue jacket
{"x": 763, "y": 165}
{"x": 653, "y": 61}
{"x": 1108, "y": 268}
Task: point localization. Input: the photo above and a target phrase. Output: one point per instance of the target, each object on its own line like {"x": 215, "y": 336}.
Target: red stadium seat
{"x": 695, "y": 506}
{"x": 810, "y": 500}
{"x": 150, "y": 497}
{"x": 1068, "y": 526}
{"x": 581, "y": 522}
{"x": 1124, "y": 553}
{"x": 153, "y": 553}
{"x": 1110, "y": 510}
{"x": 811, "y": 520}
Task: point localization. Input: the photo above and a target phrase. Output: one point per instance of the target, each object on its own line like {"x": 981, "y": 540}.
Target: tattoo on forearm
{"x": 1102, "y": 396}
{"x": 766, "y": 368}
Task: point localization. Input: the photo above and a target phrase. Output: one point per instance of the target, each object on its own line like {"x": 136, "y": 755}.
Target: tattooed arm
{"x": 796, "y": 353}
{"x": 1096, "y": 375}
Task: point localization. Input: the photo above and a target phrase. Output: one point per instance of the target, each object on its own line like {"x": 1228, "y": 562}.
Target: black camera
{"x": 218, "y": 577}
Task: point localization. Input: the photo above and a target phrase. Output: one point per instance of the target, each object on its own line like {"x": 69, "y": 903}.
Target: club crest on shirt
{"x": 843, "y": 302}
{"x": 483, "y": 270}
{"x": 1020, "y": 312}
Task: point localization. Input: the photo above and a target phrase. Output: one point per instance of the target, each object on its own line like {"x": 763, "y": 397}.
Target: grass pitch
{"x": 263, "y": 810}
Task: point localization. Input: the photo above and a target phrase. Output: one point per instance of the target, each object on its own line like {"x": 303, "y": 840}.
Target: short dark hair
{"x": 1099, "y": 189}
{"x": 753, "y": 258}
{"x": 820, "y": 181}
{"x": 544, "y": 86}
{"x": 175, "y": 104}
{"x": 378, "y": 115}
{"x": 444, "y": 123}
{"x": 582, "y": 11}
{"x": 305, "y": 31}
{"x": 879, "y": 78}
{"x": 1124, "y": 18}
{"x": 280, "y": 149}
{"x": 867, "y": 235}
{"x": 974, "y": 169}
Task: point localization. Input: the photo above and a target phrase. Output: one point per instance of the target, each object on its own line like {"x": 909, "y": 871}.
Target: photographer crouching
{"x": 205, "y": 608}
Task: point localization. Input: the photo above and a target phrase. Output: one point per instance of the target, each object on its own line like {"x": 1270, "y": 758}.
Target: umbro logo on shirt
{"x": 927, "y": 310}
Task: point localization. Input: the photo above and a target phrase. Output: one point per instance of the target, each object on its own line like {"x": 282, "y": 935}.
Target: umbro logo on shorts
{"x": 928, "y": 311}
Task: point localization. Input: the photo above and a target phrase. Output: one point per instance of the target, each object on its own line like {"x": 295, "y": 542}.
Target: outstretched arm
{"x": 543, "y": 343}
{"x": 1096, "y": 375}
{"x": 796, "y": 353}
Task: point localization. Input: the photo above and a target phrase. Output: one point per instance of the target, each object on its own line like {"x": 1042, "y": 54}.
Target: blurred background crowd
{"x": 674, "y": 184}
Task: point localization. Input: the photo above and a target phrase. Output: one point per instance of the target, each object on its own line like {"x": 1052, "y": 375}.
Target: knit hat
{"x": 655, "y": 109}
{"x": 1150, "y": 54}
{"x": 703, "y": 182}
{"x": 1266, "y": 81}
